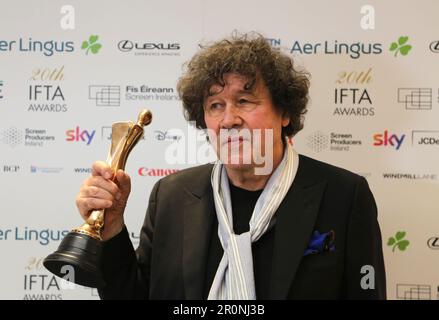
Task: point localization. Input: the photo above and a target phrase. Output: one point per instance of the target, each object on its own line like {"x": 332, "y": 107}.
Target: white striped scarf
{"x": 234, "y": 278}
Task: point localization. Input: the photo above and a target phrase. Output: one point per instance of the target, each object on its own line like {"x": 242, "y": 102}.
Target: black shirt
{"x": 243, "y": 203}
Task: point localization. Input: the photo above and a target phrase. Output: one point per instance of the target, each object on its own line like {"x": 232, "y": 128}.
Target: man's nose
{"x": 231, "y": 117}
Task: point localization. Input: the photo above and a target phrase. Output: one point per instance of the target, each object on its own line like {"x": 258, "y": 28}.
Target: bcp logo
{"x": 388, "y": 140}
{"x": 11, "y": 168}
{"x": 80, "y": 135}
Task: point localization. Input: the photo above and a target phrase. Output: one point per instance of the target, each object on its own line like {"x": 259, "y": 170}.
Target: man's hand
{"x": 105, "y": 190}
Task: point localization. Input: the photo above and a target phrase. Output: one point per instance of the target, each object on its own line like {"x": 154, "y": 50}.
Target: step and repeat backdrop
{"x": 69, "y": 69}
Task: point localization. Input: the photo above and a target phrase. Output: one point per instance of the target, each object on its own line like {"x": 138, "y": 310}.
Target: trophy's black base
{"x": 81, "y": 252}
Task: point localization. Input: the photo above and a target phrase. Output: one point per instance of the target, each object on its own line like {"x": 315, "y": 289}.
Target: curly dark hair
{"x": 248, "y": 55}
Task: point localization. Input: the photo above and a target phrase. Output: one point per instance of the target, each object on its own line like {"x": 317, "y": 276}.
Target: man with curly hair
{"x": 262, "y": 222}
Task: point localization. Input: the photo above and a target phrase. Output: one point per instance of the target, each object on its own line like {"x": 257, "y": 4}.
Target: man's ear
{"x": 285, "y": 120}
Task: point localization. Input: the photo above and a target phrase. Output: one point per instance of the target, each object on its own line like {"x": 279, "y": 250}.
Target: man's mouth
{"x": 235, "y": 139}
{"x": 232, "y": 139}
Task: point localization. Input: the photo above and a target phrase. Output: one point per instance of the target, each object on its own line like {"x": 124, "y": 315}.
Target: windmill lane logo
{"x": 401, "y": 46}
{"x": 398, "y": 241}
{"x": 409, "y": 176}
{"x": 91, "y": 45}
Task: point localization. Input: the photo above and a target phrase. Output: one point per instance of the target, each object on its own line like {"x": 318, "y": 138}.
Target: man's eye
{"x": 243, "y": 101}
{"x": 215, "y": 106}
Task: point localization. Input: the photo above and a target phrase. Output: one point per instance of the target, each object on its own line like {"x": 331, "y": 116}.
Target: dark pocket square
{"x": 321, "y": 242}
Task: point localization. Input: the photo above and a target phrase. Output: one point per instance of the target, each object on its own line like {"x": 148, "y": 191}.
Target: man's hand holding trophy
{"x": 101, "y": 202}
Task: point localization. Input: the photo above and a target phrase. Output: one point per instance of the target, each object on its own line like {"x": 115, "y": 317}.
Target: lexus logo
{"x": 433, "y": 243}
{"x": 434, "y": 46}
{"x": 125, "y": 45}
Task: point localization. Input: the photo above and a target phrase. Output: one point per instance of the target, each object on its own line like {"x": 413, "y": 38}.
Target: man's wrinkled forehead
{"x": 245, "y": 83}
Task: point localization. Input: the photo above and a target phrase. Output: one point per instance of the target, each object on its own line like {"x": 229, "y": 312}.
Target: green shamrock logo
{"x": 91, "y": 45}
{"x": 401, "y": 46}
{"x": 398, "y": 241}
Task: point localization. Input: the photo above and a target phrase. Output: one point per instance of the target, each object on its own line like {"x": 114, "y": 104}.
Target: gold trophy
{"x": 81, "y": 248}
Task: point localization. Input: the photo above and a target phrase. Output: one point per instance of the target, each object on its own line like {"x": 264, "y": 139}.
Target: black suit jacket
{"x": 170, "y": 262}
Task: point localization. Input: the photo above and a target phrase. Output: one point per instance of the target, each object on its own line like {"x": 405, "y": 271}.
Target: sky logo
{"x": 386, "y": 139}
{"x": 78, "y": 135}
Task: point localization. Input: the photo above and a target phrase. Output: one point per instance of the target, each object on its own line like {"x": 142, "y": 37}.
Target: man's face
{"x": 243, "y": 124}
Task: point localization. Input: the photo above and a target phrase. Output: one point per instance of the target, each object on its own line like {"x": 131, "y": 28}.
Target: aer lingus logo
{"x": 401, "y": 46}
{"x": 398, "y": 241}
{"x": 91, "y": 45}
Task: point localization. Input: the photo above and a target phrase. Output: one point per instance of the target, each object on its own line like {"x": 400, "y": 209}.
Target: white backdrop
{"x": 375, "y": 114}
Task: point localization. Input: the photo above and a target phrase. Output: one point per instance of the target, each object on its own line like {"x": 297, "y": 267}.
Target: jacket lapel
{"x": 198, "y": 213}
{"x": 295, "y": 220}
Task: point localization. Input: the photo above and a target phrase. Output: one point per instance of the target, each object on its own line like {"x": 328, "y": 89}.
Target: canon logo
{"x": 156, "y": 172}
